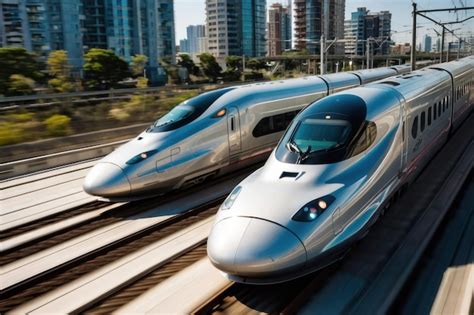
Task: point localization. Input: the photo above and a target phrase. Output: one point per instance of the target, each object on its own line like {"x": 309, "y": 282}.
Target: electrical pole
{"x": 459, "y": 48}
{"x": 413, "y": 40}
{"x": 321, "y": 58}
{"x": 441, "y": 49}
{"x": 447, "y": 51}
{"x": 367, "y": 52}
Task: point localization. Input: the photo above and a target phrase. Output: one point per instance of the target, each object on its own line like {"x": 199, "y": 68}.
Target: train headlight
{"x": 229, "y": 201}
{"x": 140, "y": 157}
{"x": 313, "y": 209}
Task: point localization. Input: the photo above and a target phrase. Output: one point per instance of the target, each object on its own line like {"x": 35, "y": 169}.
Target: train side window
{"x": 414, "y": 128}
{"x": 273, "y": 124}
{"x": 422, "y": 121}
{"x": 447, "y": 102}
{"x": 429, "y": 116}
{"x": 434, "y": 112}
{"x": 439, "y": 108}
{"x": 365, "y": 140}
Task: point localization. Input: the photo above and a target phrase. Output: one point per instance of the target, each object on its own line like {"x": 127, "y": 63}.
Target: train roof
{"x": 413, "y": 84}
{"x": 266, "y": 91}
{"x": 371, "y": 75}
{"x": 456, "y": 67}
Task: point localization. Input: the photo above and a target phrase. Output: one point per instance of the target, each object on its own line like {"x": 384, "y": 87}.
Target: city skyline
{"x": 189, "y": 12}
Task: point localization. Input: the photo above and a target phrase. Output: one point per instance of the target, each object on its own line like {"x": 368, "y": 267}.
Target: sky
{"x": 191, "y": 12}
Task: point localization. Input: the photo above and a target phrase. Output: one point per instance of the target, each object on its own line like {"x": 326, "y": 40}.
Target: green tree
{"x": 138, "y": 64}
{"x": 171, "y": 70}
{"x": 256, "y": 64}
{"x": 233, "y": 63}
{"x": 104, "y": 69}
{"x": 209, "y": 66}
{"x": 20, "y": 85}
{"x": 60, "y": 71}
{"x": 17, "y": 61}
{"x": 188, "y": 63}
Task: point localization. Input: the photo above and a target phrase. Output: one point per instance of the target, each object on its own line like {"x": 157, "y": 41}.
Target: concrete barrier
{"x": 23, "y": 151}
{"x": 40, "y": 163}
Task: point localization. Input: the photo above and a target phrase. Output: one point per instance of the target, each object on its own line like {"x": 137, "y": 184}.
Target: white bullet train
{"x": 214, "y": 133}
{"x": 334, "y": 170}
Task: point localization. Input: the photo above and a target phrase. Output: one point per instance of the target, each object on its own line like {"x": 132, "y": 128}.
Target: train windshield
{"x": 328, "y": 131}
{"x": 313, "y": 134}
{"x": 187, "y": 111}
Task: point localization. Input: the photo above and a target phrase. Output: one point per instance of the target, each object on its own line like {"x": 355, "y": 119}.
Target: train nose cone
{"x": 254, "y": 247}
{"x": 106, "y": 180}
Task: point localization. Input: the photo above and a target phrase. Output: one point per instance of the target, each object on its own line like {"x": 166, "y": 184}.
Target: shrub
{"x": 58, "y": 125}
{"x": 10, "y": 133}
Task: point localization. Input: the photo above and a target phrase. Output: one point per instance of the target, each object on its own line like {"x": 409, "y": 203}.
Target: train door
{"x": 233, "y": 130}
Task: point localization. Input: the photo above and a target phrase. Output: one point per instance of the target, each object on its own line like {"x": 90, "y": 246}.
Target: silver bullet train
{"x": 214, "y": 133}
{"x": 333, "y": 172}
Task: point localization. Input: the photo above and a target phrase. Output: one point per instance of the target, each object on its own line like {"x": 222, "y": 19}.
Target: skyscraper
{"x": 13, "y": 26}
{"x": 194, "y": 32}
{"x": 427, "y": 43}
{"x": 279, "y": 29}
{"x": 127, "y": 27}
{"x": 364, "y": 25}
{"x": 184, "y": 46}
{"x": 310, "y": 21}
{"x": 236, "y": 27}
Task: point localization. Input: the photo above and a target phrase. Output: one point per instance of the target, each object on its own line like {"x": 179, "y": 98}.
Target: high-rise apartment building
{"x": 13, "y": 26}
{"x": 184, "y": 46}
{"x": 279, "y": 29}
{"x": 194, "y": 32}
{"x": 236, "y": 27}
{"x": 427, "y": 44}
{"x": 314, "y": 18}
{"x": 365, "y": 25}
{"x": 127, "y": 27}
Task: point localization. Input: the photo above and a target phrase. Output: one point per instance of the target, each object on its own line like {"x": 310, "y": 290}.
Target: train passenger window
{"x": 429, "y": 116}
{"x": 366, "y": 139}
{"x": 273, "y": 124}
{"x": 439, "y": 108}
{"x": 434, "y": 112}
{"x": 414, "y": 128}
{"x": 422, "y": 121}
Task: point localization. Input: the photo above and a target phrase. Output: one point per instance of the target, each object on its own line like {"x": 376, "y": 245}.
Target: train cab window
{"x": 414, "y": 128}
{"x": 328, "y": 131}
{"x": 273, "y": 124}
{"x": 422, "y": 121}
{"x": 187, "y": 111}
{"x": 429, "y": 116}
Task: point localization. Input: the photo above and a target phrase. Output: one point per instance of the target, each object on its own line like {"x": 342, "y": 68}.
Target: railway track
{"x": 371, "y": 276}
{"x": 161, "y": 265}
{"x": 75, "y": 251}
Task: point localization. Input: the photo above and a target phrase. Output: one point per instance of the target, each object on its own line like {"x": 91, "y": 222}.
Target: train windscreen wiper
{"x": 293, "y": 147}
